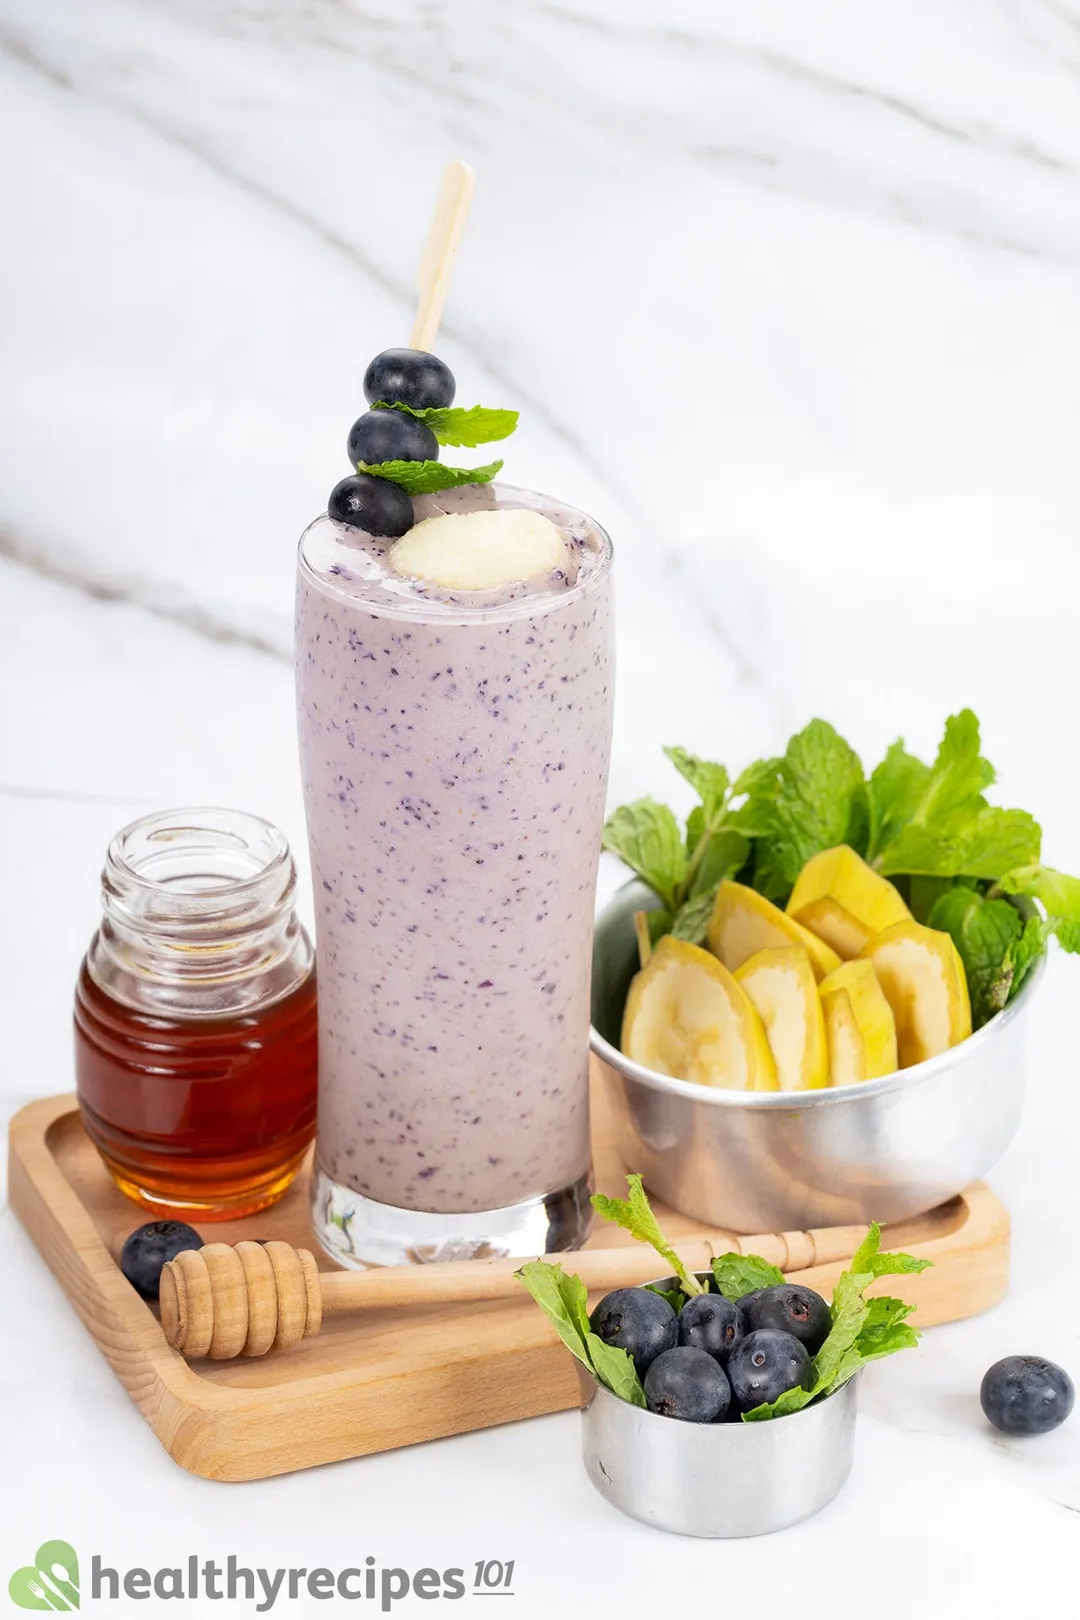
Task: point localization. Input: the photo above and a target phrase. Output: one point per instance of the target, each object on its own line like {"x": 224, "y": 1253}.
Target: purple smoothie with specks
{"x": 454, "y": 749}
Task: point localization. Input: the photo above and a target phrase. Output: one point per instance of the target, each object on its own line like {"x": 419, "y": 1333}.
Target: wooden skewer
{"x": 440, "y": 251}
{"x": 220, "y": 1301}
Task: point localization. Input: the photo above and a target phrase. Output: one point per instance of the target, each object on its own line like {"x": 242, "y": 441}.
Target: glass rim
{"x": 432, "y": 611}
{"x": 211, "y": 819}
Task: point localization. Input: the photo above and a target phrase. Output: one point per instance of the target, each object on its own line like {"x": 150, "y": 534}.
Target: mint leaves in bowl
{"x": 956, "y": 862}
{"x": 810, "y": 1006}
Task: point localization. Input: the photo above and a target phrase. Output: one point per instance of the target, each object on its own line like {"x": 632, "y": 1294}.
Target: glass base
{"x": 358, "y": 1232}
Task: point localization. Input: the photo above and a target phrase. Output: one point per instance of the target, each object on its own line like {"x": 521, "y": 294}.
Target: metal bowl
{"x": 883, "y": 1150}
{"x": 716, "y": 1479}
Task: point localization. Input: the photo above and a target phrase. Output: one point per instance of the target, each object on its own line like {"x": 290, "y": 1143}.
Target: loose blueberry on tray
{"x": 688, "y": 1384}
{"x": 764, "y": 1365}
{"x": 712, "y": 1323}
{"x": 1026, "y": 1395}
{"x": 150, "y": 1248}
{"x": 638, "y": 1321}
{"x": 790, "y": 1308}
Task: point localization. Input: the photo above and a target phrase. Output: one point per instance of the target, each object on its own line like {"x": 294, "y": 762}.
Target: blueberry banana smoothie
{"x": 454, "y": 666}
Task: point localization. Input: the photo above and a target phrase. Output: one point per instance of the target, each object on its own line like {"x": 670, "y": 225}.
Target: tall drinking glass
{"x": 454, "y": 751}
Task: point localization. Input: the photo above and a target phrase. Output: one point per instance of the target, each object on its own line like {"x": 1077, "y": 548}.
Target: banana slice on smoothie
{"x": 480, "y": 551}
{"x": 687, "y": 1017}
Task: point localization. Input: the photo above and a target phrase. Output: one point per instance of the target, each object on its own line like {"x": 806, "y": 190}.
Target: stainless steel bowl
{"x": 773, "y": 1161}
{"x": 716, "y": 1479}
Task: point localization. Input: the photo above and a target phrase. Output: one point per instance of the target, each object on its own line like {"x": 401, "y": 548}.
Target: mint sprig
{"x": 933, "y": 819}
{"x": 634, "y": 1214}
{"x": 564, "y": 1300}
{"x": 984, "y": 932}
{"x": 739, "y": 1274}
{"x": 1058, "y": 894}
{"x": 811, "y": 799}
{"x": 451, "y": 424}
{"x": 927, "y": 827}
{"x": 862, "y": 1329}
{"x": 685, "y": 870}
{"x": 427, "y": 477}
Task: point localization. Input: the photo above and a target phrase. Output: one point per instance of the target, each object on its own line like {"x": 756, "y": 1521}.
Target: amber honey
{"x": 196, "y": 1046}
{"x": 213, "y": 1115}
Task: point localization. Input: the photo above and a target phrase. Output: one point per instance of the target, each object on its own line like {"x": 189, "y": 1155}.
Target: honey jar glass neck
{"x": 199, "y": 914}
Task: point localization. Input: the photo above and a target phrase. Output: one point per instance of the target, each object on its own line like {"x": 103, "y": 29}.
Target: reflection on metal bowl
{"x": 771, "y": 1161}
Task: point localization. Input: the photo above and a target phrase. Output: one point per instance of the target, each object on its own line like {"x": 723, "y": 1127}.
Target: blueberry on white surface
{"x": 1026, "y": 1395}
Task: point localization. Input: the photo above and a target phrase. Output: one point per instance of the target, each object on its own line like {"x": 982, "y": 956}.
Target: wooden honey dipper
{"x": 223, "y": 1301}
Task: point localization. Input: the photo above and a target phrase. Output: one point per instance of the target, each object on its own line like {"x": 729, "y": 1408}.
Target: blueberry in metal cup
{"x": 638, "y": 1321}
{"x": 712, "y": 1323}
{"x": 687, "y": 1384}
{"x": 765, "y": 1365}
{"x": 790, "y": 1308}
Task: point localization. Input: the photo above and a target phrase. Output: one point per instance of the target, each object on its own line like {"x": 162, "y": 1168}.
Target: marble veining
{"x": 789, "y": 298}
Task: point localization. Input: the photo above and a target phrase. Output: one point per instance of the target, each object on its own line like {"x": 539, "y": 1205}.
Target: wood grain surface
{"x": 387, "y": 1376}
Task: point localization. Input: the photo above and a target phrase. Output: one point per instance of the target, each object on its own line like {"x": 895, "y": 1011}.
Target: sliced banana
{"x": 688, "y": 1018}
{"x": 780, "y": 982}
{"x": 479, "y": 551}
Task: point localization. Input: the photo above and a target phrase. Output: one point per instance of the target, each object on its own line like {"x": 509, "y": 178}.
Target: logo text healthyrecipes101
{"x": 52, "y": 1581}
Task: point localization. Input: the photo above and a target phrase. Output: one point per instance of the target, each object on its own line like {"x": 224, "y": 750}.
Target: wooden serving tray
{"x": 380, "y": 1378}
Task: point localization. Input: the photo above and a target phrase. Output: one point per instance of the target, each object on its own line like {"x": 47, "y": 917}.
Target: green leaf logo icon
{"x": 51, "y": 1582}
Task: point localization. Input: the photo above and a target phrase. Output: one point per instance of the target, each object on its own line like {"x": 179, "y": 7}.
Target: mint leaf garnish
{"x": 691, "y": 921}
{"x": 646, "y": 836}
{"x": 717, "y": 852}
{"x": 739, "y": 1274}
{"x": 1021, "y": 957}
{"x": 1058, "y": 894}
{"x": 463, "y": 428}
{"x": 984, "y": 932}
{"x": 635, "y": 1216}
{"x": 862, "y": 1330}
{"x": 934, "y": 819}
{"x": 892, "y": 794}
{"x": 756, "y": 789}
{"x": 709, "y": 781}
{"x": 812, "y": 799}
{"x": 822, "y": 797}
{"x": 674, "y": 1296}
{"x": 426, "y": 477}
{"x": 928, "y": 825}
{"x": 615, "y": 1368}
{"x": 563, "y": 1299}
{"x": 885, "y": 1330}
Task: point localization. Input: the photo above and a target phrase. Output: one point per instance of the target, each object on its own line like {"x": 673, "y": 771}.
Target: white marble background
{"x": 789, "y": 295}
